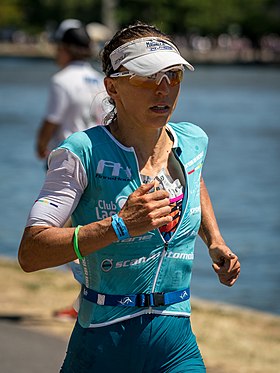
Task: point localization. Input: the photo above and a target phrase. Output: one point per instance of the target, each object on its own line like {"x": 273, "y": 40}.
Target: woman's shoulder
{"x": 187, "y": 129}
{"x": 83, "y": 143}
{"x": 83, "y": 140}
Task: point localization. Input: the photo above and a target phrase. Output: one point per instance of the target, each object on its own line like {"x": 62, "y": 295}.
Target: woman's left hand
{"x": 225, "y": 263}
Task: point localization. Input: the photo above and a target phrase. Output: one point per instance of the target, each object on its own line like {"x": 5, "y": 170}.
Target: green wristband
{"x": 76, "y": 243}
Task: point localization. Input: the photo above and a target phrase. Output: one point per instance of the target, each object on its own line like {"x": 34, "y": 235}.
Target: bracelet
{"x": 76, "y": 243}
{"x": 120, "y": 227}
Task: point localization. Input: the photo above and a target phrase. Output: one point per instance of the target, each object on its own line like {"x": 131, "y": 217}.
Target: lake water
{"x": 238, "y": 107}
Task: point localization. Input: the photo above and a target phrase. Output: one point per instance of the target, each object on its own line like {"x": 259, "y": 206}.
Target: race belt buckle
{"x": 154, "y": 299}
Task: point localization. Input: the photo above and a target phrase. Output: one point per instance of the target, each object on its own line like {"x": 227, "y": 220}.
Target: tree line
{"x": 249, "y": 18}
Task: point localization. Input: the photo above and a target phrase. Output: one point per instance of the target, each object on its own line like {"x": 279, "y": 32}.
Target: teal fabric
{"x": 145, "y": 344}
{"x": 145, "y": 263}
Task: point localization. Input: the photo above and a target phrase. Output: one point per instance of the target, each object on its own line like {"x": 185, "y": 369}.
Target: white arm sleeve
{"x": 65, "y": 182}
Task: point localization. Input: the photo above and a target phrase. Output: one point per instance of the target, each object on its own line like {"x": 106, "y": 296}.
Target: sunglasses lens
{"x": 142, "y": 81}
{"x": 173, "y": 77}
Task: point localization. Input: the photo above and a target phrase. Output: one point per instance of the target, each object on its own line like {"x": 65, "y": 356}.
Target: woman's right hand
{"x": 145, "y": 210}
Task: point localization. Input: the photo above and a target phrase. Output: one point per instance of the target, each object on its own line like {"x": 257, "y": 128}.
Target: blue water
{"x": 238, "y": 107}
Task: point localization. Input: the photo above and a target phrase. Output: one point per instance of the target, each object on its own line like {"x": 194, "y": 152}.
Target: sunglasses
{"x": 173, "y": 77}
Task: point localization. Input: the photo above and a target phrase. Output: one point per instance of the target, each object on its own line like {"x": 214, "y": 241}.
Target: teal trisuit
{"x": 137, "y": 265}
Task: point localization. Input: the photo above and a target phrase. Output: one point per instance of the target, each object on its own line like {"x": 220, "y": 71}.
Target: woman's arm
{"x": 225, "y": 263}
{"x": 44, "y": 247}
{"x": 44, "y": 243}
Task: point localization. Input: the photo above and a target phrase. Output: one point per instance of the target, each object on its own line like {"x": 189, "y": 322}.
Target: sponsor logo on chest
{"x": 112, "y": 171}
{"x": 105, "y": 209}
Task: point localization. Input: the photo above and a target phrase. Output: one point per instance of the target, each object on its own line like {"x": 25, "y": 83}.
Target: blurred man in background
{"x": 75, "y": 93}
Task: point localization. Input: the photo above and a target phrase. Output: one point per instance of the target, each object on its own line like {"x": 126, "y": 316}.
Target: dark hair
{"x": 76, "y": 36}
{"x": 132, "y": 32}
{"x": 77, "y": 42}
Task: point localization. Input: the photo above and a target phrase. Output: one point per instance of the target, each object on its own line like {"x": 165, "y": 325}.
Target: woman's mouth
{"x": 161, "y": 109}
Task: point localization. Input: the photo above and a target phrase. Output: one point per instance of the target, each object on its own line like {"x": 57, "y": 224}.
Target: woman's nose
{"x": 163, "y": 87}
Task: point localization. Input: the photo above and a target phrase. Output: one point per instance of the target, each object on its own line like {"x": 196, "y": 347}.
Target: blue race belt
{"x": 136, "y": 300}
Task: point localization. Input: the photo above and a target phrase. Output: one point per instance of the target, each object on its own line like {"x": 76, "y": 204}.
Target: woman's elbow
{"x": 24, "y": 259}
{"x": 30, "y": 248}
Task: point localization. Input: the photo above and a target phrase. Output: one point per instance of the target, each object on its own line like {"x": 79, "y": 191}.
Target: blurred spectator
{"x": 74, "y": 102}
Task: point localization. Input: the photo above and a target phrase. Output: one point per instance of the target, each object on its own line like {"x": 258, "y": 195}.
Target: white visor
{"x": 147, "y": 56}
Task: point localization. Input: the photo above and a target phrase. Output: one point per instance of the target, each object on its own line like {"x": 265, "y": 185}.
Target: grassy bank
{"x": 232, "y": 340}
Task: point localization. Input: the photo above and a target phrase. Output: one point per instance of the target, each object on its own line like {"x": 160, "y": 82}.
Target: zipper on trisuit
{"x": 163, "y": 253}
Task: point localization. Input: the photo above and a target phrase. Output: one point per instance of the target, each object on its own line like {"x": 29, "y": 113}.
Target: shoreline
{"x": 232, "y": 339}
{"x": 248, "y": 57}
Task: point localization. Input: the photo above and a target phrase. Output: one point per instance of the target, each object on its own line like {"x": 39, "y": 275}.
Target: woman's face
{"x": 141, "y": 106}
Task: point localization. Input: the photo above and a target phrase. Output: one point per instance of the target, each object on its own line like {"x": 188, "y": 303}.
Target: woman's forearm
{"x": 45, "y": 247}
{"x": 209, "y": 230}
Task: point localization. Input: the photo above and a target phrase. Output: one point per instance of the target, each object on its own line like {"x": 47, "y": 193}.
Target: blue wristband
{"x": 119, "y": 227}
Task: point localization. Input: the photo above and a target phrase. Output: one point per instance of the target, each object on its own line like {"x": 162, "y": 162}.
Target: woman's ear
{"x": 110, "y": 85}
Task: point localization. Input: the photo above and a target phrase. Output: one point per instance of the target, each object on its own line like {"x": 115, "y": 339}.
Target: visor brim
{"x": 152, "y": 63}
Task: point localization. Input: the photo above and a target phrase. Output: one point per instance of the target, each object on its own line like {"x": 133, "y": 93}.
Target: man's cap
{"x": 146, "y": 56}
{"x": 72, "y": 31}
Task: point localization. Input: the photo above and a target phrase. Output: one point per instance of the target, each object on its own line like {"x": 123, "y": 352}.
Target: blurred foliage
{"x": 251, "y": 18}
{"x": 11, "y": 14}
{"x": 40, "y": 15}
